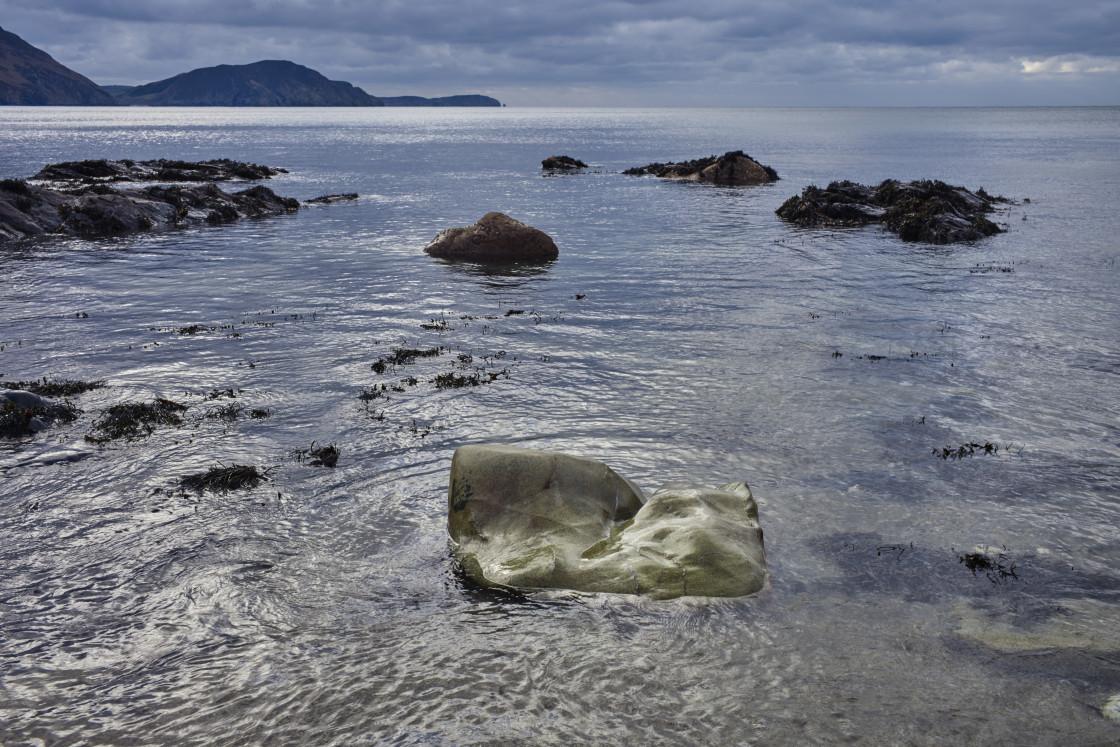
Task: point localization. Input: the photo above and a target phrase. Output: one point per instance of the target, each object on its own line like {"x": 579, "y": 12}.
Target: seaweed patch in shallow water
{"x": 971, "y": 449}
{"x": 319, "y": 456}
{"x": 131, "y": 420}
{"x": 225, "y": 479}
{"x": 45, "y": 388}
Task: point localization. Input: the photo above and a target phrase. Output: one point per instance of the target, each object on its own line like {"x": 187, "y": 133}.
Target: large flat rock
{"x": 531, "y": 519}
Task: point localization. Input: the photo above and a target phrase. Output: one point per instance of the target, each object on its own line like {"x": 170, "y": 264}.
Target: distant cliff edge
{"x": 31, "y": 77}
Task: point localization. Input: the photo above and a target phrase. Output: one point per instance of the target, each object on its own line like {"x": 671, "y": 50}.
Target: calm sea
{"x": 685, "y": 333}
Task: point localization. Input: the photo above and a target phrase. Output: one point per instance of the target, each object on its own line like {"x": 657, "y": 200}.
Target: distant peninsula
{"x": 264, "y": 83}
{"x": 270, "y": 83}
{"x": 31, "y": 77}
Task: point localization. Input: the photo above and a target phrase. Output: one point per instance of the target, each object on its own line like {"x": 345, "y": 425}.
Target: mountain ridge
{"x": 263, "y": 83}
{"x": 31, "y": 77}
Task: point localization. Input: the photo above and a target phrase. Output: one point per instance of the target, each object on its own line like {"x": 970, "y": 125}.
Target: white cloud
{"x": 1075, "y": 64}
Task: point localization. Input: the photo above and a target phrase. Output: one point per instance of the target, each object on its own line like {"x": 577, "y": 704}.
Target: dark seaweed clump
{"x": 225, "y": 479}
{"x": 131, "y": 420}
{"x": 319, "y": 456}
{"x": 63, "y": 388}
{"x": 403, "y": 357}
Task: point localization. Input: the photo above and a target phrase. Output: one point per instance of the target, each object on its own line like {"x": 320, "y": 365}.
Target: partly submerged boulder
{"x": 929, "y": 211}
{"x": 562, "y": 163}
{"x": 494, "y": 238}
{"x": 732, "y": 168}
{"x": 23, "y": 413}
{"x": 542, "y": 520}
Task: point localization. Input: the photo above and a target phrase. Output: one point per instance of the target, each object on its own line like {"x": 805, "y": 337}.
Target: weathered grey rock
{"x": 541, "y": 520}
{"x": 496, "y": 237}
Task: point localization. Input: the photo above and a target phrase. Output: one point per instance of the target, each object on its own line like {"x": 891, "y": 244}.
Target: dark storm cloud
{"x": 636, "y": 49}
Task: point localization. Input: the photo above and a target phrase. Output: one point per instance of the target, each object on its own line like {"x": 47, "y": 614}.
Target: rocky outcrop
{"x": 732, "y": 168}
{"x": 75, "y": 173}
{"x": 31, "y": 77}
{"x": 562, "y": 163}
{"x": 542, "y": 520}
{"x": 264, "y": 83}
{"x": 928, "y": 211}
{"x": 495, "y": 238}
{"x": 96, "y": 209}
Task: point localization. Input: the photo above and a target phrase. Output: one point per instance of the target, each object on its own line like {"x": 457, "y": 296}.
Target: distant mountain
{"x": 265, "y": 83}
{"x": 465, "y": 100}
{"x": 29, "y": 77}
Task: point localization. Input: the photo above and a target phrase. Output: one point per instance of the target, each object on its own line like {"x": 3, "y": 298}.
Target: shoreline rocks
{"x": 927, "y": 211}
{"x": 98, "y": 171}
{"x": 527, "y": 519}
{"x": 82, "y": 203}
{"x": 732, "y": 168}
{"x": 495, "y": 238}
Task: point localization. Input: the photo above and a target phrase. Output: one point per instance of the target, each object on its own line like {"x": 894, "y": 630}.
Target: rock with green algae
{"x": 530, "y": 519}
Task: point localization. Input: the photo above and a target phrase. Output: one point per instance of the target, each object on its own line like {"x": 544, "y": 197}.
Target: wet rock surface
{"x": 23, "y": 413}
{"x": 495, "y": 238}
{"x": 562, "y": 163}
{"x": 530, "y": 519}
{"x": 732, "y": 168}
{"x": 927, "y": 211}
{"x": 80, "y": 201}
{"x": 158, "y": 170}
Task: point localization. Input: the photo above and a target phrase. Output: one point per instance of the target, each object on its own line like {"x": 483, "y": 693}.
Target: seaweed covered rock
{"x": 929, "y": 211}
{"x": 542, "y": 520}
{"x": 102, "y": 170}
{"x": 95, "y": 210}
{"x": 23, "y": 413}
{"x": 495, "y": 238}
{"x": 733, "y": 168}
{"x": 562, "y": 163}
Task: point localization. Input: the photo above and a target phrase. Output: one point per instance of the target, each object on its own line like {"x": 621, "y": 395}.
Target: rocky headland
{"x": 732, "y": 168}
{"x": 927, "y": 211}
{"x": 77, "y": 198}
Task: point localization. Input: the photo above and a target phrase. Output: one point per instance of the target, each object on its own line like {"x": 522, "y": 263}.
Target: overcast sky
{"x": 614, "y": 52}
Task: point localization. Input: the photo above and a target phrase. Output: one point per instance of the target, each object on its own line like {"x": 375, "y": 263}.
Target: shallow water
{"x": 685, "y": 333}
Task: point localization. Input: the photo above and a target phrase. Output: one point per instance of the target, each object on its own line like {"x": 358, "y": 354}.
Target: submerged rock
{"x": 494, "y": 238}
{"x": 562, "y": 163}
{"x": 732, "y": 168}
{"x": 543, "y": 520}
{"x": 929, "y": 211}
{"x": 23, "y": 413}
